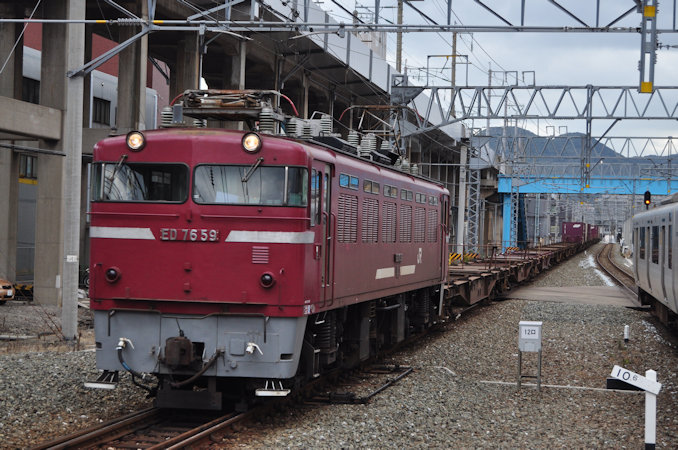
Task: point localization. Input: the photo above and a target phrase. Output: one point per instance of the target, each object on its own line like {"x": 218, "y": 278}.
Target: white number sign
{"x": 634, "y": 379}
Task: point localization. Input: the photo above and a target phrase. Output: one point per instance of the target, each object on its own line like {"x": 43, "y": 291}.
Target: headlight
{"x": 251, "y": 142}
{"x": 112, "y": 274}
{"x": 267, "y": 280}
{"x": 136, "y": 141}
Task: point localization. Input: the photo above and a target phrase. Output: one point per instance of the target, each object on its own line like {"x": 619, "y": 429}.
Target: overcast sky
{"x": 562, "y": 59}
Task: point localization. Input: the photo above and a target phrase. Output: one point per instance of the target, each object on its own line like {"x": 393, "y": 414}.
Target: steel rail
{"x": 197, "y": 434}
{"x": 130, "y": 424}
{"x": 89, "y": 434}
{"x": 605, "y": 261}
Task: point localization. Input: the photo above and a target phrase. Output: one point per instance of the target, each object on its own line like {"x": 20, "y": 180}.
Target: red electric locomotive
{"x": 227, "y": 262}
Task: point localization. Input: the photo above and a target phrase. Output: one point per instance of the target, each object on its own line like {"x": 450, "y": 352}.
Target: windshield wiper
{"x": 251, "y": 170}
{"x": 123, "y": 158}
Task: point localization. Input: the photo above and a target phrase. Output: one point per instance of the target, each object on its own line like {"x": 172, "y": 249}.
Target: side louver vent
{"x": 259, "y": 255}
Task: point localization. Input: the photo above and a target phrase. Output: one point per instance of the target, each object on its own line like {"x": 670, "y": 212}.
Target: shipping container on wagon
{"x": 574, "y": 231}
{"x": 593, "y": 232}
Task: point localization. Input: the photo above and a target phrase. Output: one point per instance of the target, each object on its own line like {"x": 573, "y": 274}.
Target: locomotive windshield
{"x": 250, "y": 185}
{"x": 119, "y": 182}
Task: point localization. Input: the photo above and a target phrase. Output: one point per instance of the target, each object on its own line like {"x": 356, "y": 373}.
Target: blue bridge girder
{"x": 573, "y": 185}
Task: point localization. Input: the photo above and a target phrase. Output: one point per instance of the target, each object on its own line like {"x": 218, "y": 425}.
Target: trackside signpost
{"x": 529, "y": 340}
{"x": 649, "y": 384}
{"x": 644, "y": 383}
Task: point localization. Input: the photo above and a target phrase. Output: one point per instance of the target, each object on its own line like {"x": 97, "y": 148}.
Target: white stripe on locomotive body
{"x": 385, "y": 272}
{"x": 271, "y": 237}
{"x": 121, "y": 233}
{"x": 389, "y": 272}
{"x": 408, "y": 270}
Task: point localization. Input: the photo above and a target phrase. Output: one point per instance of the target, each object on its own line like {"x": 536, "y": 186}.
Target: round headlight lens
{"x": 112, "y": 274}
{"x": 136, "y": 141}
{"x": 267, "y": 280}
{"x": 251, "y": 143}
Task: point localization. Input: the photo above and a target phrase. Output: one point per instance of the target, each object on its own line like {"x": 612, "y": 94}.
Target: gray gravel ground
{"x": 451, "y": 400}
{"x": 41, "y": 380}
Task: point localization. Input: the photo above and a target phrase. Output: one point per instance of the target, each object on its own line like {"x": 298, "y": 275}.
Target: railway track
{"x": 151, "y": 428}
{"x": 162, "y": 428}
{"x": 606, "y": 262}
{"x": 157, "y": 428}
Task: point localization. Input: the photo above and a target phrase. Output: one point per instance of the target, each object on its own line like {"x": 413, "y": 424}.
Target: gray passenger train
{"x": 655, "y": 261}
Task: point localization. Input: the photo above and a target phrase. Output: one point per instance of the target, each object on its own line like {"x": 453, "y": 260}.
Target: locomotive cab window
{"x": 390, "y": 191}
{"x": 139, "y": 182}
{"x": 353, "y": 183}
{"x": 641, "y": 242}
{"x": 371, "y": 186}
{"x": 347, "y": 181}
{"x": 250, "y": 185}
{"x": 406, "y": 195}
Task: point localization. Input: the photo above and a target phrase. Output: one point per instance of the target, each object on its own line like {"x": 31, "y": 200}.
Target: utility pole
{"x": 454, "y": 69}
{"x": 454, "y": 59}
{"x": 461, "y": 206}
{"x": 399, "y": 38}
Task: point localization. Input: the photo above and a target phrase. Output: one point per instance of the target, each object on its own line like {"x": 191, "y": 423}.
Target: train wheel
{"x": 661, "y": 312}
{"x": 643, "y": 297}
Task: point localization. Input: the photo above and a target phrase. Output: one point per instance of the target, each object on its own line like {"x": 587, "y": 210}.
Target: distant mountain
{"x": 562, "y": 150}
{"x": 529, "y": 145}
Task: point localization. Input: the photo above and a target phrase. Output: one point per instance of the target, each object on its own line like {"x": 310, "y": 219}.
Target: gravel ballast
{"x": 462, "y": 393}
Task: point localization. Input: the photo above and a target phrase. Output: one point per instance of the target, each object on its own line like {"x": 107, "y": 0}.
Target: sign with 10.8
{"x": 634, "y": 379}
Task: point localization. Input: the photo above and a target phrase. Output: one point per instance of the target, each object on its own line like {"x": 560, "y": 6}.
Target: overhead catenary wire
{"x": 23, "y": 30}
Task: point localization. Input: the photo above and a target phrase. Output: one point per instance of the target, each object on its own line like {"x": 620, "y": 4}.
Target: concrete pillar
{"x": 132, "y": 71}
{"x": 333, "y": 98}
{"x": 235, "y": 79}
{"x": 9, "y": 201}
{"x": 305, "y": 83}
{"x": 87, "y": 82}
{"x": 59, "y": 183}
{"x": 11, "y": 76}
{"x": 186, "y": 69}
{"x": 9, "y": 161}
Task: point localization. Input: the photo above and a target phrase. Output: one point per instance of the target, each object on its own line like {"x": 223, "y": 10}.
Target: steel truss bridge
{"x": 569, "y": 163}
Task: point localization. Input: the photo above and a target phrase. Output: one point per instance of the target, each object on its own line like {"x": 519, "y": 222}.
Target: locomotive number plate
{"x": 189, "y": 234}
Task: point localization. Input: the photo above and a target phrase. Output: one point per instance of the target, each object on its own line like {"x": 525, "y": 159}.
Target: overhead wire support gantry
{"x": 550, "y": 102}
